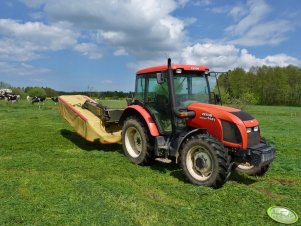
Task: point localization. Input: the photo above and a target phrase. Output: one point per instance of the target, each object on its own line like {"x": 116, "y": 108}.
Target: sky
{"x": 98, "y": 45}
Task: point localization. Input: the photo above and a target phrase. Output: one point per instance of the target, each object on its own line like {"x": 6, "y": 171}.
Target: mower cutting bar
{"x": 106, "y": 114}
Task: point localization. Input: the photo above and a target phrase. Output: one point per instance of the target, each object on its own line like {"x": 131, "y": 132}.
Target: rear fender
{"x": 137, "y": 110}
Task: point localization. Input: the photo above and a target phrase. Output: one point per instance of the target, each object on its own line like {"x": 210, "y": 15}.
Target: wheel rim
{"x": 199, "y": 163}
{"x": 133, "y": 142}
{"x": 245, "y": 166}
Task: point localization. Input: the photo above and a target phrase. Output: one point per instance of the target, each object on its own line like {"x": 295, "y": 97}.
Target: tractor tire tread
{"x": 223, "y": 159}
{"x": 149, "y": 154}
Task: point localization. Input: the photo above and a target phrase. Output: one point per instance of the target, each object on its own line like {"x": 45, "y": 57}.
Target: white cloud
{"x": 11, "y": 49}
{"x": 120, "y": 52}
{"x": 53, "y": 37}
{"x": 147, "y": 31}
{"x": 21, "y": 69}
{"x": 272, "y": 33}
{"x": 221, "y": 57}
{"x": 281, "y": 60}
{"x": 142, "y": 28}
{"x": 89, "y": 49}
{"x": 238, "y": 11}
{"x": 33, "y": 3}
{"x": 182, "y": 3}
{"x": 25, "y": 41}
{"x": 258, "y": 9}
{"x": 253, "y": 29}
{"x": 201, "y": 3}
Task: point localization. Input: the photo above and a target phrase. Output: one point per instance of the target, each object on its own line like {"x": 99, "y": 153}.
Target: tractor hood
{"x": 223, "y": 113}
{"x": 224, "y": 123}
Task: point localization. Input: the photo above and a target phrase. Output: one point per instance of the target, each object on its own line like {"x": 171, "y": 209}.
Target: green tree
{"x": 36, "y": 92}
{"x": 4, "y": 85}
{"x": 50, "y": 92}
{"x": 19, "y": 91}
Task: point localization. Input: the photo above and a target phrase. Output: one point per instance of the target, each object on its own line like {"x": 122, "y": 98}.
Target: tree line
{"x": 262, "y": 85}
{"x": 49, "y": 92}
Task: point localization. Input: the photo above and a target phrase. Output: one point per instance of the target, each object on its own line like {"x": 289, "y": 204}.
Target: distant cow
{"x": 55, "y": 99}
{"x": 38, "y": 99}
{"x": 5, "y": 91}
{"x": 12, "y": 97}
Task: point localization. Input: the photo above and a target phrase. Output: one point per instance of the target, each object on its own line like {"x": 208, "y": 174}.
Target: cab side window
{"x": 140, "y": 89}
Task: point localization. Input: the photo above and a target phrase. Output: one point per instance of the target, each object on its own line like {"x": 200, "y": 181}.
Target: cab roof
{"x": 184, "y": 67}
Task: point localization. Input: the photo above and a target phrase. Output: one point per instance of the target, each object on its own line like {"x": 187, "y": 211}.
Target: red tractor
{"x": 175, "y": 114}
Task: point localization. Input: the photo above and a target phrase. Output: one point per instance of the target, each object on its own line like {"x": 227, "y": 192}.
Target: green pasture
{"x": 51, "y": 176}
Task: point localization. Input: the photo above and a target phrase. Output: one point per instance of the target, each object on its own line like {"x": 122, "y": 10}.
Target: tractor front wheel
{"x": 205, "y": 161}
{"x": 136, "y": 141}
{"x": 252, "y": 170}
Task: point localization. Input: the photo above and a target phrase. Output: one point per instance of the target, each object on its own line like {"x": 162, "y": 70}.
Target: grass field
{"x": 51, "y": 176}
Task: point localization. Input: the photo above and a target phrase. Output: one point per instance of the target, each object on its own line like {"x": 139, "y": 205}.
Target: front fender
{"x": 183, "y": 136}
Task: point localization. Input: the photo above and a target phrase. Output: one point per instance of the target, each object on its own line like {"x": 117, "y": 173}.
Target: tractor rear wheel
{"x": 252, "y": 170}
{"x": 205, "y": 161}
{"x": 136, "y": 141}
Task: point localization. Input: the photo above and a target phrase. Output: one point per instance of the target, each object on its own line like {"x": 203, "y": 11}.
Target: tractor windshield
{"x": 191, "y": 87}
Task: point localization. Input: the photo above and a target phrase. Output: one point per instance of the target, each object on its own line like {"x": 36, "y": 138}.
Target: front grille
{"x": 231, "y": 132}
{"x": 253, "y": 138}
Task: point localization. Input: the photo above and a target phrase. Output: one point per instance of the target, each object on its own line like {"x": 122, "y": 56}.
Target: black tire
{"x": 205, "y": 161}
{"x": 252, "y": 170}
{"x": 137, "y": 143}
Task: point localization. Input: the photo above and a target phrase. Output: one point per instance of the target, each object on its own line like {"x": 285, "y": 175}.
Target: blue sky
{"x": 99, "y": 45}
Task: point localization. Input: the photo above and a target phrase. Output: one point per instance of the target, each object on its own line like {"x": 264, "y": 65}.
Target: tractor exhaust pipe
{"x": 178, "y": 112}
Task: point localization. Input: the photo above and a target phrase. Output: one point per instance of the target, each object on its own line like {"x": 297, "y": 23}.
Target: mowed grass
{"x": 51, "y": 176}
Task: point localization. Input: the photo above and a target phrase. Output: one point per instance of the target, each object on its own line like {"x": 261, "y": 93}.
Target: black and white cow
{"x": 38, "y": 99}
{"x": 12, "y": 97}
{"x": 55, "y": 99}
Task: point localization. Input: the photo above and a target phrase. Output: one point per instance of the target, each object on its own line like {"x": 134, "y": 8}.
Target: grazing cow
{"x": 9, "y": 97}
{"x": 38, "y": 99}
{"x": 28, "y": 98}
{"x": 12, "y": 97}
{"x": 55, "y": 99}
{"x": 5, "y": 91}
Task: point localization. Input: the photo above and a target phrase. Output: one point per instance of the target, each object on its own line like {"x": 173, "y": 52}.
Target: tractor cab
{"x": 159, "y": 93}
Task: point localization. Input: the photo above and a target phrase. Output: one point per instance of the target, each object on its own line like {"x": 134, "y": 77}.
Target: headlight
{"x": 231, "y": 132}
{"x": 254, "y": 129}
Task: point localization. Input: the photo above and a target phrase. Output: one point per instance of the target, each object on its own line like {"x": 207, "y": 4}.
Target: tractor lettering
{"x": 207, "y": 116}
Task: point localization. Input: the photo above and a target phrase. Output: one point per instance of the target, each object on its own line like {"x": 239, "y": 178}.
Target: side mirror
{"x": 130, "y": 99}
{"x": 160, "y": 78}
